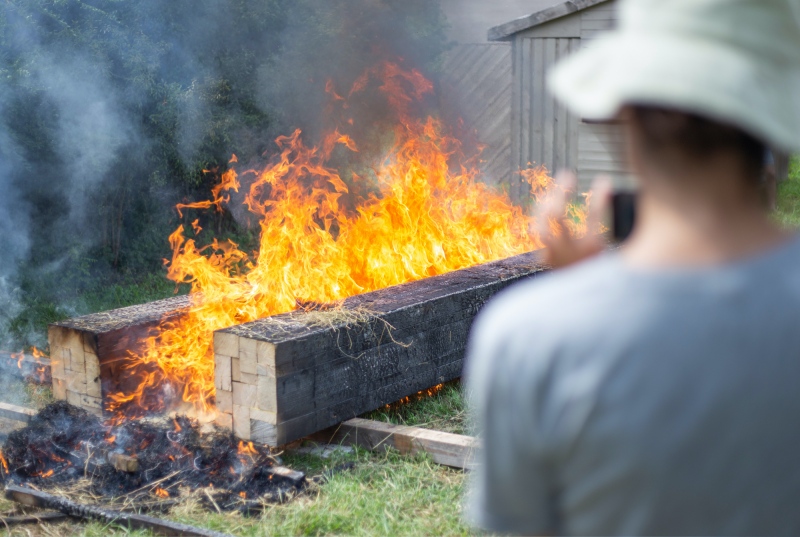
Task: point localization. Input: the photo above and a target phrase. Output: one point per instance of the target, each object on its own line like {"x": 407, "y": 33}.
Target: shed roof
{"x": 507, "y": 30}
{"x": 470, "y": 19}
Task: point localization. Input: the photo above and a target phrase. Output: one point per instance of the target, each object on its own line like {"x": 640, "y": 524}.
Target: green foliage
{"x": 112, "y": 110}
{"x": 788, "y": 210}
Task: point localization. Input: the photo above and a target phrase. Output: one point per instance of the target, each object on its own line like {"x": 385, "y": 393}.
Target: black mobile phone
{"x": 623, "y": 206}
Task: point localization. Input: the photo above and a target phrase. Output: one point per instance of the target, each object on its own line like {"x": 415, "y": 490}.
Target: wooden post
{"x": 285, "y": 377}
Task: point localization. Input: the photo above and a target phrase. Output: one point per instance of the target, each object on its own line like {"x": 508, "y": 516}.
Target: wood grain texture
{"x": 88, "y": 352}
{"x": 476, "y": 88}
{"x": 507, "y": 30}
{"x": 118, "y": 319}
{"x": 327, "y": 372}
{"x": 448, "y": 449}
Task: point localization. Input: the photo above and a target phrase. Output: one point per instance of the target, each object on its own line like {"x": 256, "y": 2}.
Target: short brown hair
{"x": 664, "y": 132}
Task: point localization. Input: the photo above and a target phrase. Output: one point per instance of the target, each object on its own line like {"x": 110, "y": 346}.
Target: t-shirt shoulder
{"x": 549, "y": 298}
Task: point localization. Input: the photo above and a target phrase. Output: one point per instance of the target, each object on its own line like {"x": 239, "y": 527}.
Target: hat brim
{"x": 705, "y": 77}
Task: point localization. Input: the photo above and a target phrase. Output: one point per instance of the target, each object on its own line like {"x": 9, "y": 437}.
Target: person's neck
{"x": 699, "y": 221}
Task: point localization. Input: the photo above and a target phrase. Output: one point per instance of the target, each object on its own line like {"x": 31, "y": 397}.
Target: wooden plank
{"x": 597, "y": 25}
{"x": 16, "y": 413}
{"x": 132, "y": 316}
{"x": 447, "y": 449}
{"x": 607, "y": 11}
{"x": 476, "y": 84}
{"x": 528, "y": 120}
{"x": 571, "y": 130}
{"x": 569, "y": 26}
{"x": 535, "y": 66}
{"x": 36, "y": 518}
{"x": 549, "y": 103}
{"x": 322, "y": 373}
{"x": 35, "y": 498}
{"x": 516, "y": 118}
{"x": 505, "y": 31}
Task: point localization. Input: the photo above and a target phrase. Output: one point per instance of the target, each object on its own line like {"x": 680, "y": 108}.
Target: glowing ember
{"x": 326, "y": 235}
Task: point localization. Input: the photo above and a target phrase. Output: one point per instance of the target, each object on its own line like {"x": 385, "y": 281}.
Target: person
{"x": 655, "y": 388}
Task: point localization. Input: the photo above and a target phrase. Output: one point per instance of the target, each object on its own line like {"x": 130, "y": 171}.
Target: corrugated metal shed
{"x": 542, "y": 131}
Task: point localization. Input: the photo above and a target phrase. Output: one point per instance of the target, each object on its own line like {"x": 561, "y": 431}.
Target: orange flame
{"x": 161, "y": 493}
{"x": 247, "y": 449}
{"x": 418, "y": 212}
{"x": 4, "y": 462}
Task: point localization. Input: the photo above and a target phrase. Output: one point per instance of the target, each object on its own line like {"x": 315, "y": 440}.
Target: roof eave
{"x": 505, "y": 32}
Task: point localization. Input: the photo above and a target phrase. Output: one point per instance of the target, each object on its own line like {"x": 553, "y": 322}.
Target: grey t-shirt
{"x": 612, "y": 400}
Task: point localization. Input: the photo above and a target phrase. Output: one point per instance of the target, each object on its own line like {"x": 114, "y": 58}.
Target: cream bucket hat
{"x": 736, "y": 61}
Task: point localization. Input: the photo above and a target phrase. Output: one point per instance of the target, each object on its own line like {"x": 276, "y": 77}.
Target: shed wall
{"x": 476, "y": 87}
{"x": 542, "y": 131}
{"x": 600, "y": 146}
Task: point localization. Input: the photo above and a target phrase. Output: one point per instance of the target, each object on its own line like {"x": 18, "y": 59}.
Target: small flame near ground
{"x": 327, "y": 234}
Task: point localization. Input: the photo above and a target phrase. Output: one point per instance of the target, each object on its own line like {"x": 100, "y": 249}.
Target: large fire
{"x": 326, "y": 235}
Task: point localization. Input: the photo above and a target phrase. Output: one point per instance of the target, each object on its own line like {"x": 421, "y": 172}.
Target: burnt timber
{"x": 284, "y": 377}
{"x": 36, "y": 498}
{"x": 88, "y": 349}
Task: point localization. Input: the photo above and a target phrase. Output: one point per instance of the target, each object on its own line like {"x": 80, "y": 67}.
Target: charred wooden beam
{"x": 35, "y": 518}
{"x": 86, "y": 350}
{"x": 35, "y": 498}
{"x": 282, "y": 378}
{"x": 447, "y": 449}
{"x": 295, "y": 478}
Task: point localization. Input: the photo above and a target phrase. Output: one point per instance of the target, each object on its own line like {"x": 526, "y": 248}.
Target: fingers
{"x": 562, "y": 249}
{"x": 600, "y": 203}
{"x": 552, "y": 210}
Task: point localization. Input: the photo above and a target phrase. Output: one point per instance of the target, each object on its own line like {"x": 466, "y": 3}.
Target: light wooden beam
{"x": 448, "y": 449}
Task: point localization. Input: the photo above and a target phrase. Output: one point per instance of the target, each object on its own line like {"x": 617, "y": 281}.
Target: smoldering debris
{"x": 144, "y": 460}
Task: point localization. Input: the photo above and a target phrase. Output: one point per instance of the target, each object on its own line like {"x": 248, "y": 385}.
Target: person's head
{"x": 670, "y": 145}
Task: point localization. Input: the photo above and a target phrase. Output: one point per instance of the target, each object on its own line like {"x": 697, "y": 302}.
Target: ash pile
{"x": 65, "y": 448}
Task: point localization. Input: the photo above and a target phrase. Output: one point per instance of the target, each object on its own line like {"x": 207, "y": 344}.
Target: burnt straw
{"x": 63, "y": 444}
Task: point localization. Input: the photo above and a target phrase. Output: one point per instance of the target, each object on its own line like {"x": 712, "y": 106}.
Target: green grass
{"x": 443, "y": 411}
{"x": 130, "y": 292}
{"x": 383, "y": 494}
{"x": 788, "y": 210}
